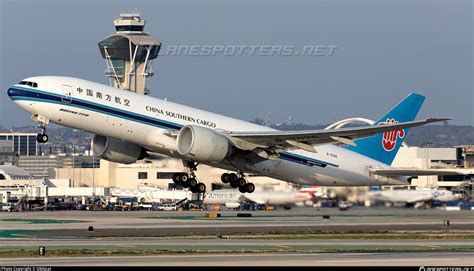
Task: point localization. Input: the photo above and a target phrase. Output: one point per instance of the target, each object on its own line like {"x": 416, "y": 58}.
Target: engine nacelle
{"x": 203, "y": 144}
{"x": 116, "y": 150}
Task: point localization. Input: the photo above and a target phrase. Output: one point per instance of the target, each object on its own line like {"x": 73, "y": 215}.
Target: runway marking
{"x": 283, "y": 246}
{"x": 430, "y": 246}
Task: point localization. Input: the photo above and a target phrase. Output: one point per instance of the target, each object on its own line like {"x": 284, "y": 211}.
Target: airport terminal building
{"x": 85, "y": 170}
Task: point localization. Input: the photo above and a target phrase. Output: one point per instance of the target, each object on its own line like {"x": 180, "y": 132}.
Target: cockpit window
{"x": 27, "y": 83}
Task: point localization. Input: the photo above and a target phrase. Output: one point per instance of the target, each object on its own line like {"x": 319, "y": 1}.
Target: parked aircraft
{"x": 233, "y": 198}
{"x": 412, "y": 196}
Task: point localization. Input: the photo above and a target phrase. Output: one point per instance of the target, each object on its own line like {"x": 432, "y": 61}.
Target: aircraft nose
{"x": 11, "y": 93}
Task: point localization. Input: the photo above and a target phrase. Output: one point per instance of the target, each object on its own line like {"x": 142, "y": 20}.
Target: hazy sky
{"x": 385, "y": 49}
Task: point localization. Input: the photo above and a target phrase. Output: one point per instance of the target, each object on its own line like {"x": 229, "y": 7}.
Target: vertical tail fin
{"x": 384, "y": 147}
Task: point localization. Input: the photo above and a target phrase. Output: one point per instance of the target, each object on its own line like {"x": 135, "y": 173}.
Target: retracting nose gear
{"x": 41, "y": 122}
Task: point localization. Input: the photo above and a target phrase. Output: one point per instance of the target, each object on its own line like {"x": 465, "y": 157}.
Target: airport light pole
{"x": 426, "y": 144}
{"x": 93, "y": 180}
{"x": 73, "y": 169}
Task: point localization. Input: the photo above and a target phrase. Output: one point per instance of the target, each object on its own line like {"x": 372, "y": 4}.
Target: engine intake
{"x": 203, "y": 144}
{"x": 116, "y": 150}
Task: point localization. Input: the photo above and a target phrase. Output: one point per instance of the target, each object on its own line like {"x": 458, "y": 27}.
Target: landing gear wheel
{"x": 200, "y": 188}
{"x": 241, "y": 182}
{"x": 233, "y": 177}
{"x": 192, "y": 182}
{"x": 234, "y": 184}
{"x": 185, "y": 184}
{"x": 42, "y": 138}
{"x": 249, "y": 187}
{"x": 183, "y": 177}
{"x": 176, "y": 178}
{"x": 193, "y": 189}
{"x": 225, "y": 178}
{"x": 242, "y": 189}
{"x": 180, "y": 179}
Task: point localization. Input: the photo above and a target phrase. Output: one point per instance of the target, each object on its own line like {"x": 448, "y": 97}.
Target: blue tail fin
{"x": 384, "y": 147}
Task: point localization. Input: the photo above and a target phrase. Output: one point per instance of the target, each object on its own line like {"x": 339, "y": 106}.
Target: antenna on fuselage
{"x": 129, "y": 54}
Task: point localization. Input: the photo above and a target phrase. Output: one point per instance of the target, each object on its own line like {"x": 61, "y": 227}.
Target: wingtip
{"x": 438, "y": 119}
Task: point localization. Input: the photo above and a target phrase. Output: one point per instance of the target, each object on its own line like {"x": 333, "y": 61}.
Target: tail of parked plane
{"x": 384, "y": 147}
{"x": 314, "y": 191}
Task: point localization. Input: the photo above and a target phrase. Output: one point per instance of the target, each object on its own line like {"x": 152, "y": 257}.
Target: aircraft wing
{"x": 394, "y": 172}
{"x": 307, "y": 139}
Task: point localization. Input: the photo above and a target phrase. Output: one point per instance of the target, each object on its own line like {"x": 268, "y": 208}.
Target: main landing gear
{"x": 42, "y": 122}
{"x": 238, "y": 181}
{"x": 189, "y": 180}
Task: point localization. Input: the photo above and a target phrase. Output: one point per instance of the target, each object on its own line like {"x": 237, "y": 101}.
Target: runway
{"x": 152, "y": 224}
{"x": 302, "y": 236}
{"x": 236, "y": 244}
{"x": 343, "y": 259}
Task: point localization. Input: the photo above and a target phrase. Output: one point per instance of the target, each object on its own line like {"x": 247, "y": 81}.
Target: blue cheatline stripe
{"x": 92, "y": 103}
{"x": 26, "y": 94}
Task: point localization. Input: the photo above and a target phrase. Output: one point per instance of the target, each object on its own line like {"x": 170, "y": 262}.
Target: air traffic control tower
{"x": 129, "y": 53}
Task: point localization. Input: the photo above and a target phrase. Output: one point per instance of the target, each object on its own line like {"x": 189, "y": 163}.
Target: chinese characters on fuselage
{"x": 99, "y": 95}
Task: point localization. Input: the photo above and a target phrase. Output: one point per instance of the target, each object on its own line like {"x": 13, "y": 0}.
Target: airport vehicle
{"x": 128, "y": 127}
{"x": 412, "y": 196}
{"x": 344, "y": 205}
{"x": 233, "y": 198}
{"x": 167, "y": 207}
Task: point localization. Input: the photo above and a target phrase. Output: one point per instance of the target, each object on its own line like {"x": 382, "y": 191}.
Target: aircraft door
{"x": 67, "y": 92}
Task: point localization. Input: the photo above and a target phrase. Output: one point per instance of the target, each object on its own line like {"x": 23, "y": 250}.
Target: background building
{"x": 437, "y": 158}
{"x": 39, "y": 166}
{"x": 156, "y": 173}
{"x": 14, "y": 145}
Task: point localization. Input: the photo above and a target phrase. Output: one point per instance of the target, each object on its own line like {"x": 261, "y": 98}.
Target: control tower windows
{"x": 129, "y": 28}
{"x": 119, "y": 66}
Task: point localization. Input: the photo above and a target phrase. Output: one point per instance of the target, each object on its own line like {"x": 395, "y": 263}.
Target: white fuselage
{"x": 260, "y": 197}
{"x": 412, "y": 196}
{"x": 143, "y": 120}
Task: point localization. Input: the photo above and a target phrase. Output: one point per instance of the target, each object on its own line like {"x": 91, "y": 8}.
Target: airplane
{"x": 233, "y": 198}
{"x": 412, "y": 196}
{"x": 128, "y": 127}
{"x": 315, "y": 191}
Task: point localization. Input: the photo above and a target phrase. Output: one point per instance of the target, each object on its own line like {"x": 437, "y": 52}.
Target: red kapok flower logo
{"x": 389, "y": 139}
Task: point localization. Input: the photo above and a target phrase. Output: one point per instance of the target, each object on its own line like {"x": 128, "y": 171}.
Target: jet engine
{"x": 203, "y": 144}
{"x": 116, "y": 150}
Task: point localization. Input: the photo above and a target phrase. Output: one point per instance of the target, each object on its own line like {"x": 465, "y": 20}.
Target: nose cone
{"x": 12, "y": 93}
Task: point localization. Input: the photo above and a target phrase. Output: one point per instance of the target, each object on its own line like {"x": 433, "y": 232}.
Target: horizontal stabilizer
{"x": 395, "y": 172}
